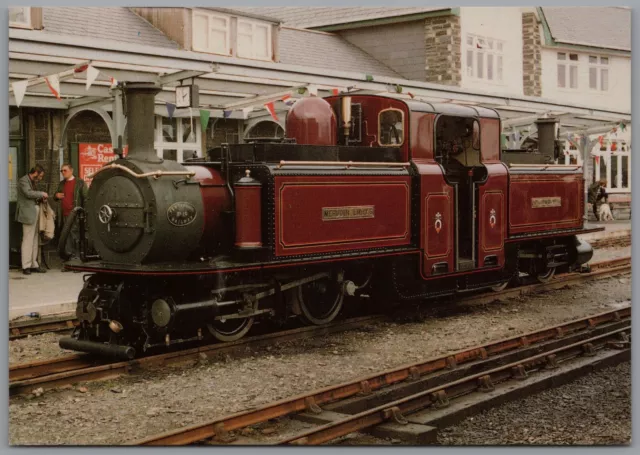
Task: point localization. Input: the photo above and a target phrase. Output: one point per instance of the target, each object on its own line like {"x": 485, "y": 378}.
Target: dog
{"x": 604, "y": 213}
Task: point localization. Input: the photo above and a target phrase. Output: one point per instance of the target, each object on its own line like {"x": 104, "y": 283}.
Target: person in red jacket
{"x": 71, "y": 193}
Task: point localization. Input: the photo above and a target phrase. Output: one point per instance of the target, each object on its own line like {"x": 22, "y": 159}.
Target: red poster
{"x": 92, "y": 157}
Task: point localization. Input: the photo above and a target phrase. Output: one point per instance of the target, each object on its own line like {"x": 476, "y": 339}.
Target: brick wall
{"x": 531, "y": 59}
{"x": 442, "y": 45}
{"x": 399, "y": 46}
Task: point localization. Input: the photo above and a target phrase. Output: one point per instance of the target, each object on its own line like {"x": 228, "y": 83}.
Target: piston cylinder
{"x": 248, "y": 212}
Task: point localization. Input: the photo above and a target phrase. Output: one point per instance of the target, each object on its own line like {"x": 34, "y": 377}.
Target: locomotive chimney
{"x": 546, "y": 136}
{"x": 140, "y": 99}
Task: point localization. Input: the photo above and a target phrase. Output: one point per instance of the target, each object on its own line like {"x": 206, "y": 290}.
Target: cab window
{"x": 390, "y": 127}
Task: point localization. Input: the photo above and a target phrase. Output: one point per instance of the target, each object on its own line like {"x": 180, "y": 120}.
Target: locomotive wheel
{"x": 500, "y": 287}
{"x": 547, "y": 275}
{"x": 231, "y": 329}
{"x": 320, "y": 301}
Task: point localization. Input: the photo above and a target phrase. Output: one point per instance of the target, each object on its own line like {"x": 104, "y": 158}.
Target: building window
{"x": 254, "y": 40}
{"x": 211, "y": 33}
{"x": 20, "y": 17}
{"x": 567, "y": 70}
{"x": 178, "y": 139}
{"x": 598, "y": 73}
{"x": 613, "y": 163}
{"x": 484, "y": 58}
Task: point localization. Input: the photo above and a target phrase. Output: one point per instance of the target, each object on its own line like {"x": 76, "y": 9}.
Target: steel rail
{"x": 81, "y": 367}
{"x": 421, "y": 400}
{"x": 376, "y": 381}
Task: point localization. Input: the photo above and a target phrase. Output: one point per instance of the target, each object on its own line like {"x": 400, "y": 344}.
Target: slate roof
{"x": 606, "y": 27}
{"x": 310, "y": 17}
{"x": 324, "y": 50}
{"x": 113, "y": 24}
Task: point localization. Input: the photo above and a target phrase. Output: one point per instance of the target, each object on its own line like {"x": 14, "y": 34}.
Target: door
{"x": 491, "y": 216}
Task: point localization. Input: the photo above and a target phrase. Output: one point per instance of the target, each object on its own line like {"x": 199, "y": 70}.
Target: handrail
{"x": 347, "y": 164}
{"x": 155, "y": 174}
{"x": 547, "y": 166}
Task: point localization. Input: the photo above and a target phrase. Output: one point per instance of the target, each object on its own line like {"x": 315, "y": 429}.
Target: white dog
{"x": 604, "y": 213}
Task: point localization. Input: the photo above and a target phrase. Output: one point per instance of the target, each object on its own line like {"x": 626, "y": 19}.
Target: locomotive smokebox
{"x": 140, "y": 100}
{"x": 311, "y": 121}
{"x": 248, "y": 213}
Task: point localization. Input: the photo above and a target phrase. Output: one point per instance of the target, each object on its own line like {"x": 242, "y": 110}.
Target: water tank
{"x": 312, "y": 121}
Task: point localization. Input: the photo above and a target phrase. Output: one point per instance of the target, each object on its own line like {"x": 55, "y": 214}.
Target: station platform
{"x": 55, "y": 292}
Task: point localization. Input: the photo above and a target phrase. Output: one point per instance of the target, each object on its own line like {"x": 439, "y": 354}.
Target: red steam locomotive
{"x": 367, "y": 195}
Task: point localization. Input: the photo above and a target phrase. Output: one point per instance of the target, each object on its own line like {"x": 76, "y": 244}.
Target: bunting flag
{"x": 170, "y": 109}
{"x": 270, "y": 107}
{"x": 226, "y": 114}
{"x": 368, "y": 77}
{"x": 247, "y": 110}
{"x": 204, "y": 118}
{"x": 623, "y": 126}
{"x": 81, "y": 69}
{"x": 398, "y": 88}
{"x": 411, "y": 95}
{"x": 92, "y": 75}
{"x": 54, "y": 85}
{"x": 600, "y": 140}
{"x": 288, "y": 100}
{"x": 19, "y": 89}
{"x": 302, "y": 90}
{"x": 597, "y": 158}
{"x": 114, "y": 81}
{"x": 335, "y": 91}
{"x": 313, "y": 90}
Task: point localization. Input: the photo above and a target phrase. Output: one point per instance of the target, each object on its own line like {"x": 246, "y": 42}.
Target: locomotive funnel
{"x": 546, "y": 136}
{"x": 140, "y": 99}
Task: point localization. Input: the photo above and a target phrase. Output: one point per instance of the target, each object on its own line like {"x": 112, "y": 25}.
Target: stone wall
{"x": 443, "y": 55}
{"x": 531, "y": 58}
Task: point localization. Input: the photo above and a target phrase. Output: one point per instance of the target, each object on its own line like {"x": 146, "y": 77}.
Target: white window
{"x": 567, "y": 70}
{"x": 20, "y": 17}
{"x": 211, "y": 33}
{"x": 178, "y": 139}
{"x": 612, "y": 161}
{"x": 599, "y": 73}
{"x": 484, "y": 58}
{"x": 254, "y": 40}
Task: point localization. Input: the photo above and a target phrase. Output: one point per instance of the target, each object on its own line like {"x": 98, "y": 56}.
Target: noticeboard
{"x": 92, "y": 157}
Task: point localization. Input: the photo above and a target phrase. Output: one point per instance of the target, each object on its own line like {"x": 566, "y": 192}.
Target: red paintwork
{"x": 421, "y": 134}
{"x": 371, "y": 107}
{"x": 492, "y": 227}
{"x": 436, "y": 196}
{"x": 312, "y": 121}
{"x": 215, "y": 200}
{"x": 300, "y": 228}
{"x": 525, "y": 219}
{"x": 490, "y": 140}
{"x": 248, "y": 216}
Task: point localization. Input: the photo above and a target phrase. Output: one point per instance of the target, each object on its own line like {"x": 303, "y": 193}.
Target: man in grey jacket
{"x": 27, "y": 213}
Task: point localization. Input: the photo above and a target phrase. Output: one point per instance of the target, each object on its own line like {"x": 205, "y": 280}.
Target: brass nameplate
{"x": 545, "y": 202}
{"x": 347, "y": 213}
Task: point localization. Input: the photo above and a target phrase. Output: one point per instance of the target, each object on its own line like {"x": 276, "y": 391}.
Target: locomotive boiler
{"x": 367, "y": 195}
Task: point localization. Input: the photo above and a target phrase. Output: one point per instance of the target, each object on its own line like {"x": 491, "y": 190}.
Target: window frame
{"x": 227, "y": 31}
{"x": 401, "y": 121}
{"x": 609, "y": 156}
{"x": 28, "y": 24}
{"x": 600, "y": 68}
{"x": 489, "y": 47}
{"x": 253, "y": 24}
{"x": 569, "y": 64}
{"x": 161, "y": 145}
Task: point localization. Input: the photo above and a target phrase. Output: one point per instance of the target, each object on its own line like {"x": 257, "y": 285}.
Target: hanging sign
{"x": 92, "y": 157}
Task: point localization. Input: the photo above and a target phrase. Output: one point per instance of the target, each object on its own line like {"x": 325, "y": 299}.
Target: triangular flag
{"x": 19, "y": 89}
{"x": 369, "y": 77}
{"x": 81, "y": 69}
{"x": 247, "y": 110}
{"x": 398, "y": 88}
{"x": 600, "y": 138}
{"x": 313, "y": 90}
{"x": 270, "y": 107}
{"x": 288, "y": 100}
{"x": 411, "y": 95}
{"x": 54, "y": 85}
{"x": 301, "y": 90}
{"x": 170, "y": 110}
{"x": 226, "y": 114}
{"x": 204, "y": 118}
{"x": 114, "y": 81}
{"x": 622, "y": 126}
{"x": 335, "y": 91}
{"x": 92, "y": 75}
{"x": 597, "y": 157}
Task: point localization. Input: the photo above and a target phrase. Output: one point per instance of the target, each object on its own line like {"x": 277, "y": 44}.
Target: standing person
{"x": 72, "y": 193}
{"x": 598, "y": 191}
{"x": 28, "y": 213}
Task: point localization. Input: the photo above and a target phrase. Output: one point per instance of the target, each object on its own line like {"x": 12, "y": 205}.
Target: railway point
{"x": 295, "y": 225}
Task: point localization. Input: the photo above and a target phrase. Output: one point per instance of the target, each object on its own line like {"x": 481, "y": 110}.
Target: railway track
{"x": 62, "y": 371}
{"x": 410, "y": 402}
{"x": 66, "y": 322}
